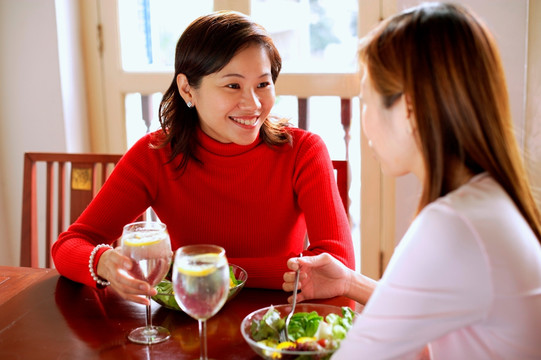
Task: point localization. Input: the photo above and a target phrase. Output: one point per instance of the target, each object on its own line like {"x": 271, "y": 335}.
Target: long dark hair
{"x": 446, "y": 61}
{"x": 205, "y": 47}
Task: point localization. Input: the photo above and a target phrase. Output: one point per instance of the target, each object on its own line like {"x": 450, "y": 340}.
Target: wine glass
{"x": 201, "y": 284}
{"x": 148, "y": 246}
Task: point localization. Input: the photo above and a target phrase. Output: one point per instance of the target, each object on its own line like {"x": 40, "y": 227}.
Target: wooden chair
{"x": 342, "y": 180}
{"x": 79, "y": 178}
{"x": 67, "y": 194}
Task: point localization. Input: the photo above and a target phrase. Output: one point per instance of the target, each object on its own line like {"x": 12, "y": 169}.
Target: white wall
{"x": 72, "y": 76}
{"x": 32, "y": 105}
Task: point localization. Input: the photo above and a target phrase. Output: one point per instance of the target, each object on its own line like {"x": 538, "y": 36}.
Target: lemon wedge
{"x": 200, "y": 265}
{"x": 141, "y": 241}
{"x": 199, "y": 271}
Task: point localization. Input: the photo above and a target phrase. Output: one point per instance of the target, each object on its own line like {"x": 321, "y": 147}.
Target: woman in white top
{"x": 465, "y": 280}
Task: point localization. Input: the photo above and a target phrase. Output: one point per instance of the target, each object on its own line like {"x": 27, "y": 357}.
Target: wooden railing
{"x": 345, "y": 118}
{"x": 303, "y": 112}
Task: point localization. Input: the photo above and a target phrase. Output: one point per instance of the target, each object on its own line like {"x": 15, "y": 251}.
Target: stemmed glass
{"x": 201, "y": 284}
{"x": 148, "y": 246}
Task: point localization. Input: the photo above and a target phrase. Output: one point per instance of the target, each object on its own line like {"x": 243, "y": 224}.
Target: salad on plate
{"x": 308, "y": 331}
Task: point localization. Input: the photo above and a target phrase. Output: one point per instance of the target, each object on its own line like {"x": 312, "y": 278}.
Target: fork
{"x": 284, "y": 335}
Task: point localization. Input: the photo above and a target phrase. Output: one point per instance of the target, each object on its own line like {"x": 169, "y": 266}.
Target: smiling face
{"x": 391, "y": 132}
{"x": 233, "y": 103}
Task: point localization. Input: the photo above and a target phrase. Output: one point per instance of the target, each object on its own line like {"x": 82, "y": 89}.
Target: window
{"x": 314, "y": 36}
{"x": 149, "y": 30}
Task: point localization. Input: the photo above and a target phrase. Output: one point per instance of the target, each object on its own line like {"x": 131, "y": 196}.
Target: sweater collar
{"x": 221, "y": 149}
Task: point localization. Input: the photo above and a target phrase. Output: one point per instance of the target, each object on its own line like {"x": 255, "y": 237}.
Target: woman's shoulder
{"x": 298, "y": 133}
{"x": 481, "y": 191}
{"x": 149, "y": 146}
{"x": 304, "y": 139}
{"x": 151, "y": 140}
{"x": 482, "y": 206}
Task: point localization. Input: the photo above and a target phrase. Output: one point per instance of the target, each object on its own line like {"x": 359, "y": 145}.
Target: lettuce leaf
{"x": 165, "y": 291}
{"x": 269, "y": 327}
{"x": 232, "y": 276}
{"x": 303, "y": 324}
{"x": 340, "y": 325}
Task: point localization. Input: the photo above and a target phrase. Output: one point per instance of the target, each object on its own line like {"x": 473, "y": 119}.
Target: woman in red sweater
{"x": 221, "y": 170}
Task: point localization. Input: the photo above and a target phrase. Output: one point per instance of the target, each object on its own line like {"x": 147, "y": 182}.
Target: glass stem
{"x": 203, "y": 339}
{"x": 148, "y": 322}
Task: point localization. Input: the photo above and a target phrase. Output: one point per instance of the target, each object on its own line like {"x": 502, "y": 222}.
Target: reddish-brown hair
{"x": 444, "y": 59}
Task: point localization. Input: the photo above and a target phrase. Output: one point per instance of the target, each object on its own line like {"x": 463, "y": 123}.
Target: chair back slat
{"x": 83, "y": 185}
{"x": 342, "y": 180}
{"x": 68, "y": 191}
{"x": 61, "y": 196}
{"x": 29, "y": 226}
{"x": 50, "y": 194}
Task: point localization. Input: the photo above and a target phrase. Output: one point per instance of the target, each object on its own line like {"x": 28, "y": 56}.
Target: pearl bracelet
{"x": 96, "y": 278}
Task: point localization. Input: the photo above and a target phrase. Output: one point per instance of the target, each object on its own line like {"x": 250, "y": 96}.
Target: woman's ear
{"x": 410, "y": 117}
{"x": 184, "y": 88}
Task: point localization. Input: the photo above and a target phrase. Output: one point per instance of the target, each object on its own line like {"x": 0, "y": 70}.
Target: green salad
{"x": 164, "y": 296}
{"x": 307, "y": 331}
{"x": 166, "y": 293}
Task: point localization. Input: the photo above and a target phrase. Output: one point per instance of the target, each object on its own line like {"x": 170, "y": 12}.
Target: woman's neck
{"x": 461, "y": 175}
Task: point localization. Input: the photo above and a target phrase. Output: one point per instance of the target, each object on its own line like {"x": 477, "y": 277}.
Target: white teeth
{"x": 245, "y": 122}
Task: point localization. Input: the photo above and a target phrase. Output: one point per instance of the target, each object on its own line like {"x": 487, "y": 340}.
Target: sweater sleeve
{"x": 318, "y": 196}
{"x": 125, "y": 195}
{"x": 437, "y": 281}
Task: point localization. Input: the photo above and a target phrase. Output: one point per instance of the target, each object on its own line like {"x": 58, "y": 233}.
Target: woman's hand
{"x": 321, "y": 276}
{"x": 114, "y": 267}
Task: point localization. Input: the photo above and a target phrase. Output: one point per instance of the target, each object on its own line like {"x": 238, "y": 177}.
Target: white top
{"x": 465, "y": 278}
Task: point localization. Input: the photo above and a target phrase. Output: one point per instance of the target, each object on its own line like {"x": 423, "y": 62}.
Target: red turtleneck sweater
{"x": 256, "y": 201}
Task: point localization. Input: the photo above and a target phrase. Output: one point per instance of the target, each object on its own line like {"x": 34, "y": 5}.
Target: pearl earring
{"x": 370, "y": 143}
{"x": 189, "y": 104}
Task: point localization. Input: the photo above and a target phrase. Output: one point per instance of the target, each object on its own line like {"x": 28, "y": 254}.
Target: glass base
{"x": 152, "y": 335}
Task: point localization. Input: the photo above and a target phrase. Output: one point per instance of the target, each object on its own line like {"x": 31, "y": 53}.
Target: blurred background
{"x": 87, "y": 76}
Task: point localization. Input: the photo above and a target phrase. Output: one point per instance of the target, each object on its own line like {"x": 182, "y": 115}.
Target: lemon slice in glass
{"x": 142, "y": 240}
{"x": 201, "y": 265}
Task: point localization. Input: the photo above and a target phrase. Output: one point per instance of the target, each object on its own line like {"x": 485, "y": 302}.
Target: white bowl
{"x": 271, "y": 353}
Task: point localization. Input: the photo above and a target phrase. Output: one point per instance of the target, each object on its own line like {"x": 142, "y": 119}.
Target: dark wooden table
{"x": 46, "y": 316}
